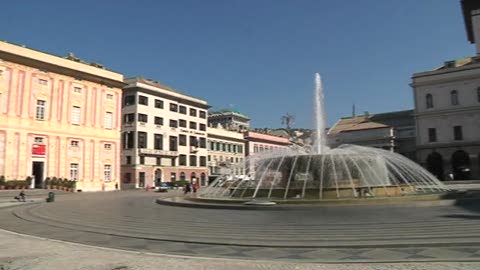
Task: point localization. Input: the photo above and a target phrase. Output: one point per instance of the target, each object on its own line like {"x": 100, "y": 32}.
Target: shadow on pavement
{"x": 468, "y": 200}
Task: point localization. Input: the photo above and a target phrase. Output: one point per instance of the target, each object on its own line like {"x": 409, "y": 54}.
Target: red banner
{"x": 38, "y": 149}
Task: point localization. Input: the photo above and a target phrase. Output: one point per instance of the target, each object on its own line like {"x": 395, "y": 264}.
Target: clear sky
{"x": 256, "y": 56}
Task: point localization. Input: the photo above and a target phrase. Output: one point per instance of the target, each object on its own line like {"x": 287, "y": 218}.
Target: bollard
{"x": 51, "y": 197}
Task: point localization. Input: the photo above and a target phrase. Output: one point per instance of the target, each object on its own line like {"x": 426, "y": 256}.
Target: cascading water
{"x": 348, "y": 171}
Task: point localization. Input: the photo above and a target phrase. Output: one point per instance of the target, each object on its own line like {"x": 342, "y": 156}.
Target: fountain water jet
{"x": 319, "y": 116}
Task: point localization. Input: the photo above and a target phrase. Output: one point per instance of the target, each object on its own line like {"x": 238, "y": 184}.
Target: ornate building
{"x": 58, "y": 118}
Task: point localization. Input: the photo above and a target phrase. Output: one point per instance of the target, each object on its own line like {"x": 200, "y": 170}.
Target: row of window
{"x": 74, "y": 172}
{"x": 457, "y": 134}
{"x": 76, "y": 89}
{"x": 75, "y": 114}
{"x": 173, "y": 177}
{"x": 143, "y": 100}
{"x": 128, "y": 141}
{"x": 182, "y": 160}
{"x": 225, "y": 147}
{"x": 221, "y": 159}
{"x": 454, "y": 98}
{"x": 73, "y": 143}
{"x": 235, "y": 171}
{"x": 143, "y": 118}
{"x": 261, "y": 148}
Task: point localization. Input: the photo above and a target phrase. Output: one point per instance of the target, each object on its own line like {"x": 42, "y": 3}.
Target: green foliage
{"x": 180, "y": 183}
{"x": 16, "y": 184}
{"x": 28, "y": 180}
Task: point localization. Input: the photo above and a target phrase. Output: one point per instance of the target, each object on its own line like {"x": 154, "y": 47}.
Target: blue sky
{"x": 256, "y": 56}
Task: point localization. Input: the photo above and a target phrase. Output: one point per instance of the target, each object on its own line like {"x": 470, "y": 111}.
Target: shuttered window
{"x": 108, "y": 121}
{"x": 76, "y": 115}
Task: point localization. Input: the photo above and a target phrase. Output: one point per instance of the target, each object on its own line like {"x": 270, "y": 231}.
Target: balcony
{"x": 155, "y": 152}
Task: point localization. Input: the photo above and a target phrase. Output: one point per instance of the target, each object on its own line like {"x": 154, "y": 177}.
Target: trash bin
{"x": 51, "y": 197}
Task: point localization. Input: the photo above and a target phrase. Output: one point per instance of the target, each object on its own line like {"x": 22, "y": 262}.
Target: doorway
{"x": 37, "y": 172}
{"x": 435, "y": 165}
{"x": 158, "y": 177}
{"x": 461, "y": 165}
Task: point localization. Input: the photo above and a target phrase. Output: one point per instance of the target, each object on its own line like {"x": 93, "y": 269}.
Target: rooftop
{"x": 224, "y": 112}
{"x": 466, "y": 63}
{"x": 372, "y": 121}
{"x": 153, "y": 85}
{"x": 69, "y": 65}
{"x": 363, "y": 122}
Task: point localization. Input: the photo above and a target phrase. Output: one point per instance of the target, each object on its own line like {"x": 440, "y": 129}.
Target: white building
{"x": 164, "y": 135}
{"x": 447, "y": 108}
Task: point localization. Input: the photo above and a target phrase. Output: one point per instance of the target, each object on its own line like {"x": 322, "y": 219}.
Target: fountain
{"x": 323, "y": 174}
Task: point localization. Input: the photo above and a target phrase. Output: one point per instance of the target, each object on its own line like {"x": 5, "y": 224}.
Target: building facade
{"x": 58, "y": 118}
{"x": 393, "y": 131}
{"x": 258, "y": 143}
{"x": 447, "y": 108}
{"x": 164, "y": 135}
{"x": 230, "y": 120}
{"x": 226, "y": 152}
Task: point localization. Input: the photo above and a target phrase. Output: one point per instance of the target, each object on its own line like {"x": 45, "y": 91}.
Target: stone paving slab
{"x": 132, "y": 207}
{"x": 26, "y": 252}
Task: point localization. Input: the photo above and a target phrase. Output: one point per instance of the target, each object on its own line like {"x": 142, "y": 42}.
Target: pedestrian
{"x": 20, "y": 197}
{"x": 187, "y": 188}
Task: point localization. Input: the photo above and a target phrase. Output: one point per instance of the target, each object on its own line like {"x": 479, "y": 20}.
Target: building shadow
{"x": 467, "y": 200}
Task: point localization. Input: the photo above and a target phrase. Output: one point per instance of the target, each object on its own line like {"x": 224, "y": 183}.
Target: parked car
{"x": 163, "y": 187}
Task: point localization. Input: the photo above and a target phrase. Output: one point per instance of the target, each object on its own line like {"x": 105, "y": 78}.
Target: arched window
{"x": 454, "y": 97}
{"x": 182, "y": 176}
{"x": 429, "y": 101}
{"x": 193, "y": 177}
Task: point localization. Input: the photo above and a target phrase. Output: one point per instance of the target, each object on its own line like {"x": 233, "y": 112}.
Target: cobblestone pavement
{"x": 26, "y": 252}
{"x": 132, "y": 221}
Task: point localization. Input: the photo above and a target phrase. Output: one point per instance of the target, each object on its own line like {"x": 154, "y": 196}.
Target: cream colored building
{"x": 58, "y": 118}
{"x": 164, "y": 135}
{"x": 226, "y": 152}
{"x": 447, "y": 108}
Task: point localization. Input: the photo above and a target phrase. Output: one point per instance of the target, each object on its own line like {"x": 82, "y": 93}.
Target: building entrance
{"x": 37, "y": 172}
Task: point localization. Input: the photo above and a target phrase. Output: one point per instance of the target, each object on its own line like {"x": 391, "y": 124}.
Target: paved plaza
{"x": 336, "y": 234}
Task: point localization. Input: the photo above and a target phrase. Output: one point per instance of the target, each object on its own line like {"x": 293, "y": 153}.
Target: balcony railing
{"x": 156, "y": 152}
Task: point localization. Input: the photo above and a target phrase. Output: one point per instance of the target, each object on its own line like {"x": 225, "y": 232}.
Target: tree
{"x": 288, "y": 120}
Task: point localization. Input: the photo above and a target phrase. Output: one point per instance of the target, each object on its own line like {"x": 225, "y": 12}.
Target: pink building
{"x": 258, "y": 142}
{"x": 59, "y": 117}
